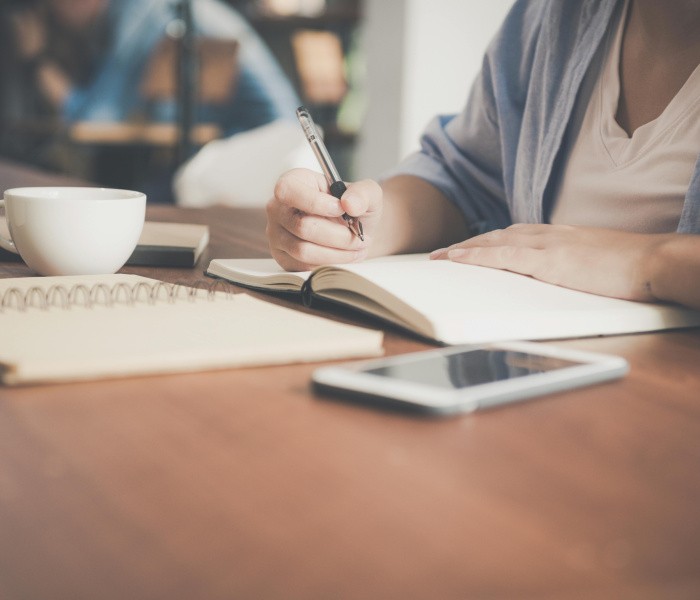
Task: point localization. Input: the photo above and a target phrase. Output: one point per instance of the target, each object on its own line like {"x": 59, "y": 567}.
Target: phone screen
{"x": 473, "y": 367}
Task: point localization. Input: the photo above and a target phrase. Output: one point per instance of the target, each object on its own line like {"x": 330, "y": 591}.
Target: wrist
{"x": 652, "y": 272}
{"x": 663, "y": 268}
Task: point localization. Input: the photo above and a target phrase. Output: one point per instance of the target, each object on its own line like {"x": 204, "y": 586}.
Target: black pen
{"x": 335, "y": 183}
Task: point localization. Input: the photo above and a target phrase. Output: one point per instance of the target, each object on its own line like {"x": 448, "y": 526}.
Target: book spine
{"x": 307, "y": 292}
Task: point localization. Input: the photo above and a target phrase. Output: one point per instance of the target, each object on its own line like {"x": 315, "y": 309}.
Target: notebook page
{"x": 230, "y": 330}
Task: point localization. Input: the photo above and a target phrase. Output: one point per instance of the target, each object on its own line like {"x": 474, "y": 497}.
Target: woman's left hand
{"x": 601, "y": 261}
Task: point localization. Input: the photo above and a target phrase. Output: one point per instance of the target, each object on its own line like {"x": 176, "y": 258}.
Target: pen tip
{"x": 354, "y": 226}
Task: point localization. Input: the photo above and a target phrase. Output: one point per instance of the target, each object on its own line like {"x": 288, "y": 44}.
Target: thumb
{"x": 361, "y": 197}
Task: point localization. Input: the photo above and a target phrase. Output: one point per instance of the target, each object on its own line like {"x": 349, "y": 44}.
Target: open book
{"x": 88, "y": 327}
{"x": 455, "y": 303}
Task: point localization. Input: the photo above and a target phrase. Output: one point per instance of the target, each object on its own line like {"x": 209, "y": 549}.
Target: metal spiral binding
{"x": 101, "y": 294}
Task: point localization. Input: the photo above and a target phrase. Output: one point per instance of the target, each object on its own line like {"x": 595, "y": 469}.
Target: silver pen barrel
{"x": 317, "y": 145}
{"x": 335, "y": 183}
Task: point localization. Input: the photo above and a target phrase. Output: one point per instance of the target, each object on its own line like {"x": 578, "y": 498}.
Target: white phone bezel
{"x": 350, "y": 377}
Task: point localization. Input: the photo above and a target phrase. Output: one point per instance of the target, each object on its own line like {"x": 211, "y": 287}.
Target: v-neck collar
{"x": 622, "y": 147}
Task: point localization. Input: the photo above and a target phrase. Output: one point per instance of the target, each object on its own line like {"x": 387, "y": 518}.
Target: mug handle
{"x": 5, "y": 242}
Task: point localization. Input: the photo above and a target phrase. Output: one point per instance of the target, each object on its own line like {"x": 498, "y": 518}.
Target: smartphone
{"x": 467, "y": 378}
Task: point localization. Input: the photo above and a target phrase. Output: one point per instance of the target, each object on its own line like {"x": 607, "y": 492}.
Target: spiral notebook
{"x": 90, "y": 327}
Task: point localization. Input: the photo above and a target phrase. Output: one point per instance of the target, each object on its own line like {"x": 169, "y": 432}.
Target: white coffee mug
{"x": 73, "y": 230}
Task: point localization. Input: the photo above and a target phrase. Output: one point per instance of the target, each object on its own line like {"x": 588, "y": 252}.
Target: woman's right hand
{"x": 305, "y": 227}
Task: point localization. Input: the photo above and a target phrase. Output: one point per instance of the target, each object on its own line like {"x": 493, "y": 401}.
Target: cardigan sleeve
{"x": 470, "y": 157}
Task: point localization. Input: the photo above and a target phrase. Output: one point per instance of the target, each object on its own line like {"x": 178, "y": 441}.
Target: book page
{"x": 457, "y": 303}
{"x": 264, "y": 273}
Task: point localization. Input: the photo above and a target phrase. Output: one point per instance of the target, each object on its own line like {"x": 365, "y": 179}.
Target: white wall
{"x": 422, "y": 56}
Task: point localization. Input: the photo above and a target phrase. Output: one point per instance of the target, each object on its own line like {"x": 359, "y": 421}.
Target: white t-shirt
{"x": 635, "y": 183}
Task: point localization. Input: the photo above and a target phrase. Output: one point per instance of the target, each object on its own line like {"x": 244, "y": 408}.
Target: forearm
{"x": 674, "y": 270}
{"x": 416, "y": 217}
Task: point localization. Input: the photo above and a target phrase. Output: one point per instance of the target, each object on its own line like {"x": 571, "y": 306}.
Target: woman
{"x": 575, "y": 161}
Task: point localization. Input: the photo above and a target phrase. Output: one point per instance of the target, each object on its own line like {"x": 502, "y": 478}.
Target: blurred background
{"x": 193, "y": 101}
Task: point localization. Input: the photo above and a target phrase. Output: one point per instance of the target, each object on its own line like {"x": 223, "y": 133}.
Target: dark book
{"x": 170, "y": 245}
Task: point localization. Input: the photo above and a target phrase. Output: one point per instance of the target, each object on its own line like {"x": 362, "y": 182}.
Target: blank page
{"x": 224, "y": 330}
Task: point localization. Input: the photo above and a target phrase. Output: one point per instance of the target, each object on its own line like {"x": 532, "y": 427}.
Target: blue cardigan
{"x": 495, "y": 160}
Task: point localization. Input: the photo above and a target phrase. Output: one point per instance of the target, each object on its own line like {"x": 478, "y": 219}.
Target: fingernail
{"x": 437, "y": 253}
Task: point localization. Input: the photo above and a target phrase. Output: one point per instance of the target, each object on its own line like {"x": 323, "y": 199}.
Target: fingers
{"x": 296, "y": 254}
{"x": 333, "y": 233}
{"x": 601, "y": 261}
{"x": 521, "y": 248}
{"x": 300, "y": 241}
{"x": 362, "y": 197}
{"x": 535, "y": 236}
{"x": 307, "y": 191}
{"x": 495, "y": 238}
{"x": 527, "y": 261}
{"x": 538, "y": 228}
{"x": 305, "y": 228}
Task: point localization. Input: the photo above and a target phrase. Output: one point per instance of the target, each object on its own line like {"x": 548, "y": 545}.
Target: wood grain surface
{"x": 244, "y": 484}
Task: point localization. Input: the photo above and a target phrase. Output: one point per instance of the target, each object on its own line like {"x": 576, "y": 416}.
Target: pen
{"x": 336, "y": 184}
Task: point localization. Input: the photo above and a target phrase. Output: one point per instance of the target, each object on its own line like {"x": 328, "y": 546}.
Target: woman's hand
{"x": 601, "y": 261}
{"x": 305, "y": 226}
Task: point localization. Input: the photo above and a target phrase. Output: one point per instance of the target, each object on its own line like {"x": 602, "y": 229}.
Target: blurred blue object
{"x": 261, "y": 93}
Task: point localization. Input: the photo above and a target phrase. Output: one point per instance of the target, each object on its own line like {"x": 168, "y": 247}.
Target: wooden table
{"x": 243, "y": 484}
